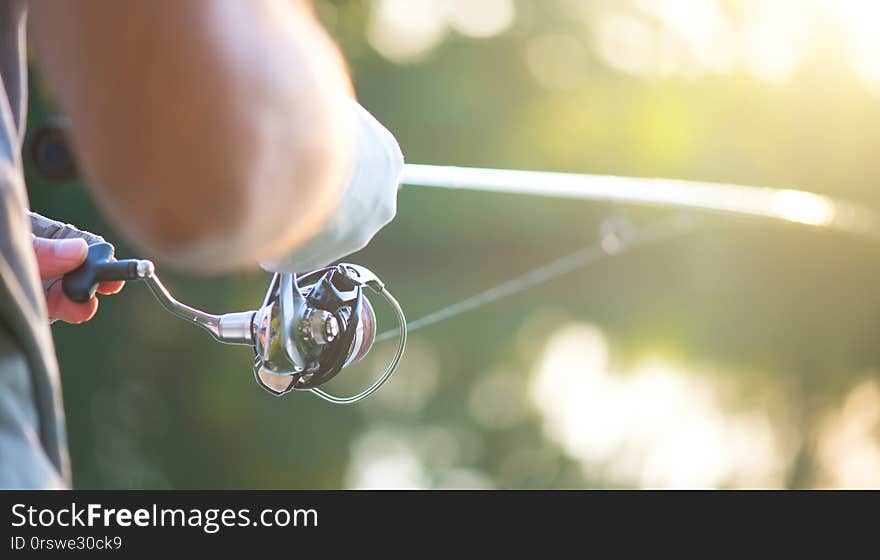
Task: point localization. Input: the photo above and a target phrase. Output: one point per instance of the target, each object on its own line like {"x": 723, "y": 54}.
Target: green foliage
{"x": 784, "y": 318}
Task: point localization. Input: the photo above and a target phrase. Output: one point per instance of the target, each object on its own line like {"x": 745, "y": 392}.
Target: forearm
{"x": 201, "y": 125}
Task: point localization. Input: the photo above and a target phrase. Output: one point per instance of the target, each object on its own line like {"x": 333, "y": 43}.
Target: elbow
{"x": 228, "y": 205}
{"x": 204, "y": 239}
{"x": 176, "y": 224}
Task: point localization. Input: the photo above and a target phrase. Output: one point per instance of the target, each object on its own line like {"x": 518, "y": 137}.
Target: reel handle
{"x": 79, "y": 285}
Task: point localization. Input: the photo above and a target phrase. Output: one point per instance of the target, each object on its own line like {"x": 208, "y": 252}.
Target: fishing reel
{"x": 308, "y": 329}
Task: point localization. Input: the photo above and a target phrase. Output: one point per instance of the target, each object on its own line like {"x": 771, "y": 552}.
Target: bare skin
{"x": 208, "y": 130}
{"x": 60, "y": 256}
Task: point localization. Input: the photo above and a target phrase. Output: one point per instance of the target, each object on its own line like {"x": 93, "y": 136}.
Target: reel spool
{"x": 312, "y": 326}
{"x": 308, "y": 329}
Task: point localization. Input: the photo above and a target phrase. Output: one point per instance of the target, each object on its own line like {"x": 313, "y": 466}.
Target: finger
{"x": 110, "y": 288}
{"x": 58, "y": 256}
{"x": 60, "y": 307}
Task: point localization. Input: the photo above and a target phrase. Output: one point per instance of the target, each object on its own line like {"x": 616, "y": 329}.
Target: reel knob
{"x": 80, "y": 284}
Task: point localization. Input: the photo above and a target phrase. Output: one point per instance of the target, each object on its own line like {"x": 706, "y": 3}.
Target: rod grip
{"x": 79, "y": 285}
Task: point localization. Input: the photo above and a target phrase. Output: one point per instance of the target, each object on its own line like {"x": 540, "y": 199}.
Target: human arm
{"x": 213, "y": 133}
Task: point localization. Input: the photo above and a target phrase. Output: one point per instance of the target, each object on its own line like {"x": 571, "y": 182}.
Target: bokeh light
{"x": 742, "y": 355}
{"x": 656, "y": 426}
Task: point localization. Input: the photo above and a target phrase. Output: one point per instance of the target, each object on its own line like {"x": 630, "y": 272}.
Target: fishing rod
{"x": 787, "y": 205}
{"x": 619, "y": 236}
{"x": 312, "y": 325}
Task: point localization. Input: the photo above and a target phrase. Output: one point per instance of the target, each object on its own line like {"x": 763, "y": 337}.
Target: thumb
{"x": 58, "y": 256}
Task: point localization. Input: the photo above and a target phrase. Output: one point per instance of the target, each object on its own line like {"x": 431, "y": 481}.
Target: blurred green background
{"x": 744, "y": 355}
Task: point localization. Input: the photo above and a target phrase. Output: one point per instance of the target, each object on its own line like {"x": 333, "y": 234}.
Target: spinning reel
{"x": 308, "y": 329}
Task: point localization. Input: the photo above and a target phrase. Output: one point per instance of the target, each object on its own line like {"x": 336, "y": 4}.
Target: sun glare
{"x": 768, "y": 39}
{"x": 655, "y": 426}
{"x": 803, "y": 207}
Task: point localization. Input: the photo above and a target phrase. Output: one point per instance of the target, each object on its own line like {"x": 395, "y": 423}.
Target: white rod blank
{"x": 782, "y": 204}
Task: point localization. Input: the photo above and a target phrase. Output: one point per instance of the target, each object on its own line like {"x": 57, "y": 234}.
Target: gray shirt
{"x": 33, "y": 450}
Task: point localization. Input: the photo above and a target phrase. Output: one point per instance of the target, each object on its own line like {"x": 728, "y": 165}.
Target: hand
{"x": 368, "y": 202}
{"x": 56, "y": 257}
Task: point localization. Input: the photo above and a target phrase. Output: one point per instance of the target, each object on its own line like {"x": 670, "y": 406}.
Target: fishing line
{"x": 783, "y": 205}
{"x": 616, "y": 237}
{"x": 313, "y": 325}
